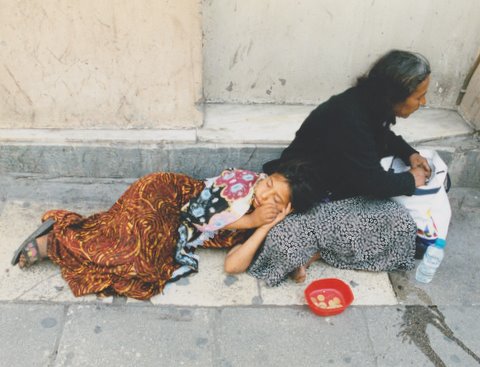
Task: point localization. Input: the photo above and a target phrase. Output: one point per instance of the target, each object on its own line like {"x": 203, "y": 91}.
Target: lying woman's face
{"x": 274, "y": 189}
{"x": 413, "y": 101}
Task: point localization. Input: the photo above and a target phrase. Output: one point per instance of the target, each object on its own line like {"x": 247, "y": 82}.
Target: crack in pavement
{"x": 36, "y": 285}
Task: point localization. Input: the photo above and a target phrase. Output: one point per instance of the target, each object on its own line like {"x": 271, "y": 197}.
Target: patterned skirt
{"x": 355, "y": 233}
{"x": 128, "y": 250}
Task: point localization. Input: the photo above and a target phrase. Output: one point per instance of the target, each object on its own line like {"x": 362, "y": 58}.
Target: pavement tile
{"x": 368, "y": 288}
{"x": 458, "y": 335}
{"x": 423, "y": 336}
{"x": 135, "y": 336}
{"x": 390, "y": 338}
{"x": 210, "y": 286}
{"x": 42, "y": 282}
{"x": 292, "y": 337}
{"x": 29, "y": 334}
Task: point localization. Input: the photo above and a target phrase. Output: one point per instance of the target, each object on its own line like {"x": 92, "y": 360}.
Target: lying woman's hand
{"x": 264, "y": 214}
{"x": 417, "y": 161}
{"x": 280, "y": 216}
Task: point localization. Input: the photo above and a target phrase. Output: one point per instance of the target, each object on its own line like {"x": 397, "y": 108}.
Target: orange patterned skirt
{"x": 128, "y": 250}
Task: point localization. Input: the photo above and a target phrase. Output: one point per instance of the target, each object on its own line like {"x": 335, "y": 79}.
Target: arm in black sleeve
{"x": 364, "y": 171}
{"x": 397, "y": 146}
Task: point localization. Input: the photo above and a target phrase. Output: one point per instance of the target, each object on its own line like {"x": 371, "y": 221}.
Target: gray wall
{"x": 93, "y": 64}
{"x": 283, "y": 51}
{"x": 138, "y": 64}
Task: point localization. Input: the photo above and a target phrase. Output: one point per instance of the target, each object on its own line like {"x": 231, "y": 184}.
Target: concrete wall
{"x": 470, "y": 106}
{"x": 283, "y": 51}
{"x": 100, "y": 63}
{"x": 138, "y": 64}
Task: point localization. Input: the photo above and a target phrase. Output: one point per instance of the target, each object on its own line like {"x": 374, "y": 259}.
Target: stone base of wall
{"x": 201, "y": 160}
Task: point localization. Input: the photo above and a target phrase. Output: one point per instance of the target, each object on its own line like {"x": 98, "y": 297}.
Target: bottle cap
{"x": 440, "y": 243}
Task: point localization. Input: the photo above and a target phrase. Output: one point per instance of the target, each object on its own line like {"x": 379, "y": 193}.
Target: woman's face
{"x": 413, "y": 101}
{"x": 272, "y": 190}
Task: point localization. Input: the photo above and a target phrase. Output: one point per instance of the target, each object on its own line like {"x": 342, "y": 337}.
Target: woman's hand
{"x": 419, "y": 175}
{"x": 280, "y": 216}
{"x": 417, "y": 161}
{"x": 264, "y": 214}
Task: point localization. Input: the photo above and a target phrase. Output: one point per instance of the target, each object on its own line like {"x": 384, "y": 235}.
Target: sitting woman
{"x": 346, "y": 137}
{"x": 148, "y": 236}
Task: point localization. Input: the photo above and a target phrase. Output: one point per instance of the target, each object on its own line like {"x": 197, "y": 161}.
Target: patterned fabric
{"x": 224, "y": 200}
{"x": 355, "y": 233}
{"x": 128, "y": 250}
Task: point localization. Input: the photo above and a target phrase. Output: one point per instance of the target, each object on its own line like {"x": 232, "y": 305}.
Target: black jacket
{"x": 345, "y": 138}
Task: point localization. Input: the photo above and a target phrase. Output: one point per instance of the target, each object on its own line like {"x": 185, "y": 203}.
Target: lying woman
{"x": 148, "y": 236}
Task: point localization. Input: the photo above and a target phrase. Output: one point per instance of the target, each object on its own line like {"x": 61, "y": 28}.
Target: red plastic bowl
{"x": 329, "y": 288}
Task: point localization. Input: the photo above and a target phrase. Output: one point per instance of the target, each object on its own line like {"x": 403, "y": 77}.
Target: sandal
{"x": 30, "y": 253}
{"x": 29, "y": 247}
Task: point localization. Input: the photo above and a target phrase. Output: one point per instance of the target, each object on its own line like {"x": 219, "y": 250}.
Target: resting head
{"x": 398, "y": 81}
{"x": 290, "y": 182}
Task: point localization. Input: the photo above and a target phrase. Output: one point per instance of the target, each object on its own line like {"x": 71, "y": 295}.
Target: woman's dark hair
{"x": 301, "y": 178}
{"x": 394, "y": 77}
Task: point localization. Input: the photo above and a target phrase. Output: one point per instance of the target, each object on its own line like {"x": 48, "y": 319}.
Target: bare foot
{"x": 42, "y": 253}
{"x": 300, "y": 274}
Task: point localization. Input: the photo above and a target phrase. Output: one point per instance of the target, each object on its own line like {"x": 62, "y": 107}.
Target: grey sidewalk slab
{"x": 369, "y": 288}
{"x": 29, "y": 334}
{"x": 272, "y": 328}
{"x": 209, "y": 287}
{"x": 136, "y": 336}
{"x": 423, "y": 336}
{"x": 39, "y": 283}
{"x": 455, "y": 284}
{"x": 23, "y": 200}
{"x": 293, "y": 337}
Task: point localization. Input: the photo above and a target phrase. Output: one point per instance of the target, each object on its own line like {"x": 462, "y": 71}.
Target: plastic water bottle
{"x": 431, "y": 261}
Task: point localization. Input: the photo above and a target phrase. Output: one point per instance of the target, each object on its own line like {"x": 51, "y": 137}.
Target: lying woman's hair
{"x": 301, "y": 178}
{"x": 394, "y": 77}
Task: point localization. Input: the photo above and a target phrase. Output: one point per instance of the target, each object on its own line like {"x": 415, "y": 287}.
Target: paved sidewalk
{"x": 212, "y": 319}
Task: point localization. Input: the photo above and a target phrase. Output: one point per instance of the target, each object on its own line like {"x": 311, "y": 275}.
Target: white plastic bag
{"x": 429, "y": 205}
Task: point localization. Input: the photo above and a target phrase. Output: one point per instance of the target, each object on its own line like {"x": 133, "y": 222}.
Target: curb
{"x": 462, "y": 155}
